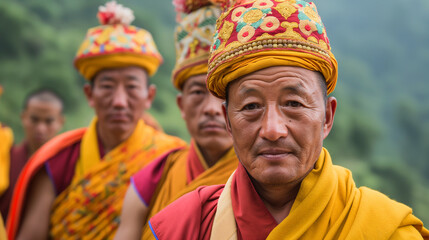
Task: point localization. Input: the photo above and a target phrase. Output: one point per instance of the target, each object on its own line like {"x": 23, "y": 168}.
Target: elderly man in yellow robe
{"x": 74, "y": 185}
{"x": 210, "y": 159}
{"x": 271, "y": 61}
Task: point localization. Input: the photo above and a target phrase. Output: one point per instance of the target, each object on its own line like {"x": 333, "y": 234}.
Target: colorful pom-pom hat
{"x": 255, "y": 34}
{"x": 116, "y": 44}
{"x": 193, "y": 38}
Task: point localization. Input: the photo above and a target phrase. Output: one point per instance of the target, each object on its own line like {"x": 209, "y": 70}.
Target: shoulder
{"x": 192, "y": 215}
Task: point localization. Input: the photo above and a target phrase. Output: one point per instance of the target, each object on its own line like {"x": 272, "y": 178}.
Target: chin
{"x": 275, "y": 176}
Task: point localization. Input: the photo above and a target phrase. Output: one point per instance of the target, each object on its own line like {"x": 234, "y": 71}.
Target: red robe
{"x": 18, "y": 158}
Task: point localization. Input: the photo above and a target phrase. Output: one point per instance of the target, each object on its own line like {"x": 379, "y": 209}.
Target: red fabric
{"x": 39, "y": 158}
{"x": 249, "y": 210}
{"x": 194, "y": 167}
{"x": 190, "y": 217}
{"x": 18, "y": 158}
{"x": 147, "y": 179}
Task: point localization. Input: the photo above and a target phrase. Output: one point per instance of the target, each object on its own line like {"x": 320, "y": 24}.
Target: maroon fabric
{"x": 18, "y": 158}
{"x": 249, "y": 210}
{"x": 61, "y": 167}
{"x": 190, "y": 217}
{"x": 146, "y": 180}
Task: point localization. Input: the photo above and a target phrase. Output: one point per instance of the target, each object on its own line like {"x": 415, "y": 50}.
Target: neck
{"x": 31, "y": 148}
{"x": 211, "y": 155}
{"x": 278, "y": 199}
{"x": 110, "y": 140}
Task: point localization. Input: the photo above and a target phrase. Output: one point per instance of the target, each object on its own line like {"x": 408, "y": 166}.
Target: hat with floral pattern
{"x": 193, "y": 38}
{"x": 116, "y": 44}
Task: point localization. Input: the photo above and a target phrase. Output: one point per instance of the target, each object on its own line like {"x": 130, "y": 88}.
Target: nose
{"x": 41, "y": 128}
{"x": 273, "y": 124}
{"x": 212, "y": 106}
{"x": 119, "y": 98}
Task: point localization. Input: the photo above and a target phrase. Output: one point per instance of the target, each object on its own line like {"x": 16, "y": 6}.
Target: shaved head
{"x": 46, "y": 96}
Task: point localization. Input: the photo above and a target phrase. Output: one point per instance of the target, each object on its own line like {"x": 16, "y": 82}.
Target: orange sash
{"x": 33, "y": 165}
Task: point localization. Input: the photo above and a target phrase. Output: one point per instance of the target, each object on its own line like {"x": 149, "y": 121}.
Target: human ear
{"x": 331, "y": 107}
{"x": 225, "y": 115}
{"x": 87, "y": 90}
{"x": 179, "y": 102}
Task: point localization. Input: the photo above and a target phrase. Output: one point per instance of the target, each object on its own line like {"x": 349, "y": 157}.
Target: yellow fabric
{"x": 186, "y": 73}
{"x": 90, "y": 207}
{"x": 90, "y": 66}
{"x": 239, "y": 67}
{"x": 224, "y": 226}
{"x": 89, "y": 155}
{"x": 173, "y": 182}
{"x": 329, "y": 204}
{"x": 6, "y": 136}
{"x": 3, "y": 235}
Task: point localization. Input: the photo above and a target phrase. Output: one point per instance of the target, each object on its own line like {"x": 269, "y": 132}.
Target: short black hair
{"x": 322, "y": 81}
{"x": 44, "y": 94}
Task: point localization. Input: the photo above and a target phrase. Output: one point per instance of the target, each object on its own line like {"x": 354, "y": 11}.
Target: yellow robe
{"x": 6, "y": 137}
{"x": 329, "y": 206}
{"x": 173, "y": 183}
{"x": 90, "y": 207}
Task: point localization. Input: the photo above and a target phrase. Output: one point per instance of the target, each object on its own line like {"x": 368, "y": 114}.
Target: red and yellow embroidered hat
{"x": 116, "y": 43}
{"x": 255, "y": 34}
{"x": 193, "y": 38}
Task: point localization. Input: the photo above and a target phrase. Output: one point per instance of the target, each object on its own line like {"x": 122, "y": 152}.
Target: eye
{"x": 251, "y": 106}
{"x": 197, "y": 92}
{"x": 293, "y": 104}
{"x": 132, "y": 86}
{"x": 106, "y": 86}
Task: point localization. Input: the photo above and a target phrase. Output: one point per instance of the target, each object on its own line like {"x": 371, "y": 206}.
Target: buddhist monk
{"x": 210, "y": 159}
{"x": 74, "y": 185}
{"x": 42, "y": 118}
{"x": 271, "y": 61}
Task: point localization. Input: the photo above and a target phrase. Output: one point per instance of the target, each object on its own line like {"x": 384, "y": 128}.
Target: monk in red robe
{"x": 73, "y": 186}
{"x": 42, "y": 119}
{"x": 272, "y": 63}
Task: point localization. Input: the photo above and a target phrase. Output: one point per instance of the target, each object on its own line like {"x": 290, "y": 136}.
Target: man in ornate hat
{"x": 73, "y": 186}
{"x": 272, "y": 63}
{"x": 210, "y": 159}
{"x": 42, "y": 118}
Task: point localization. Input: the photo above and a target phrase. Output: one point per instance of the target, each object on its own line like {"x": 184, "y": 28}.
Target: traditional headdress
{"x": 116, "y": 43}
{"x": 255, "y": 34}
{"x": 193, "y": 35}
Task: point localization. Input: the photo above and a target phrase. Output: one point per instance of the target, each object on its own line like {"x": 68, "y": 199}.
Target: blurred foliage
{"x": 381, "y": 129}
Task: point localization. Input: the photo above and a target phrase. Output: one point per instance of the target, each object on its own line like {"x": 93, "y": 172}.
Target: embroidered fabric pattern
{"x": 194, "y": 36}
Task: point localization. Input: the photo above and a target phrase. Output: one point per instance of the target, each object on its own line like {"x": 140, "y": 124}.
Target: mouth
{"x": 212, "y": 126}
{"x": 118, "y": 117}
{"x": 274, "y": 153}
